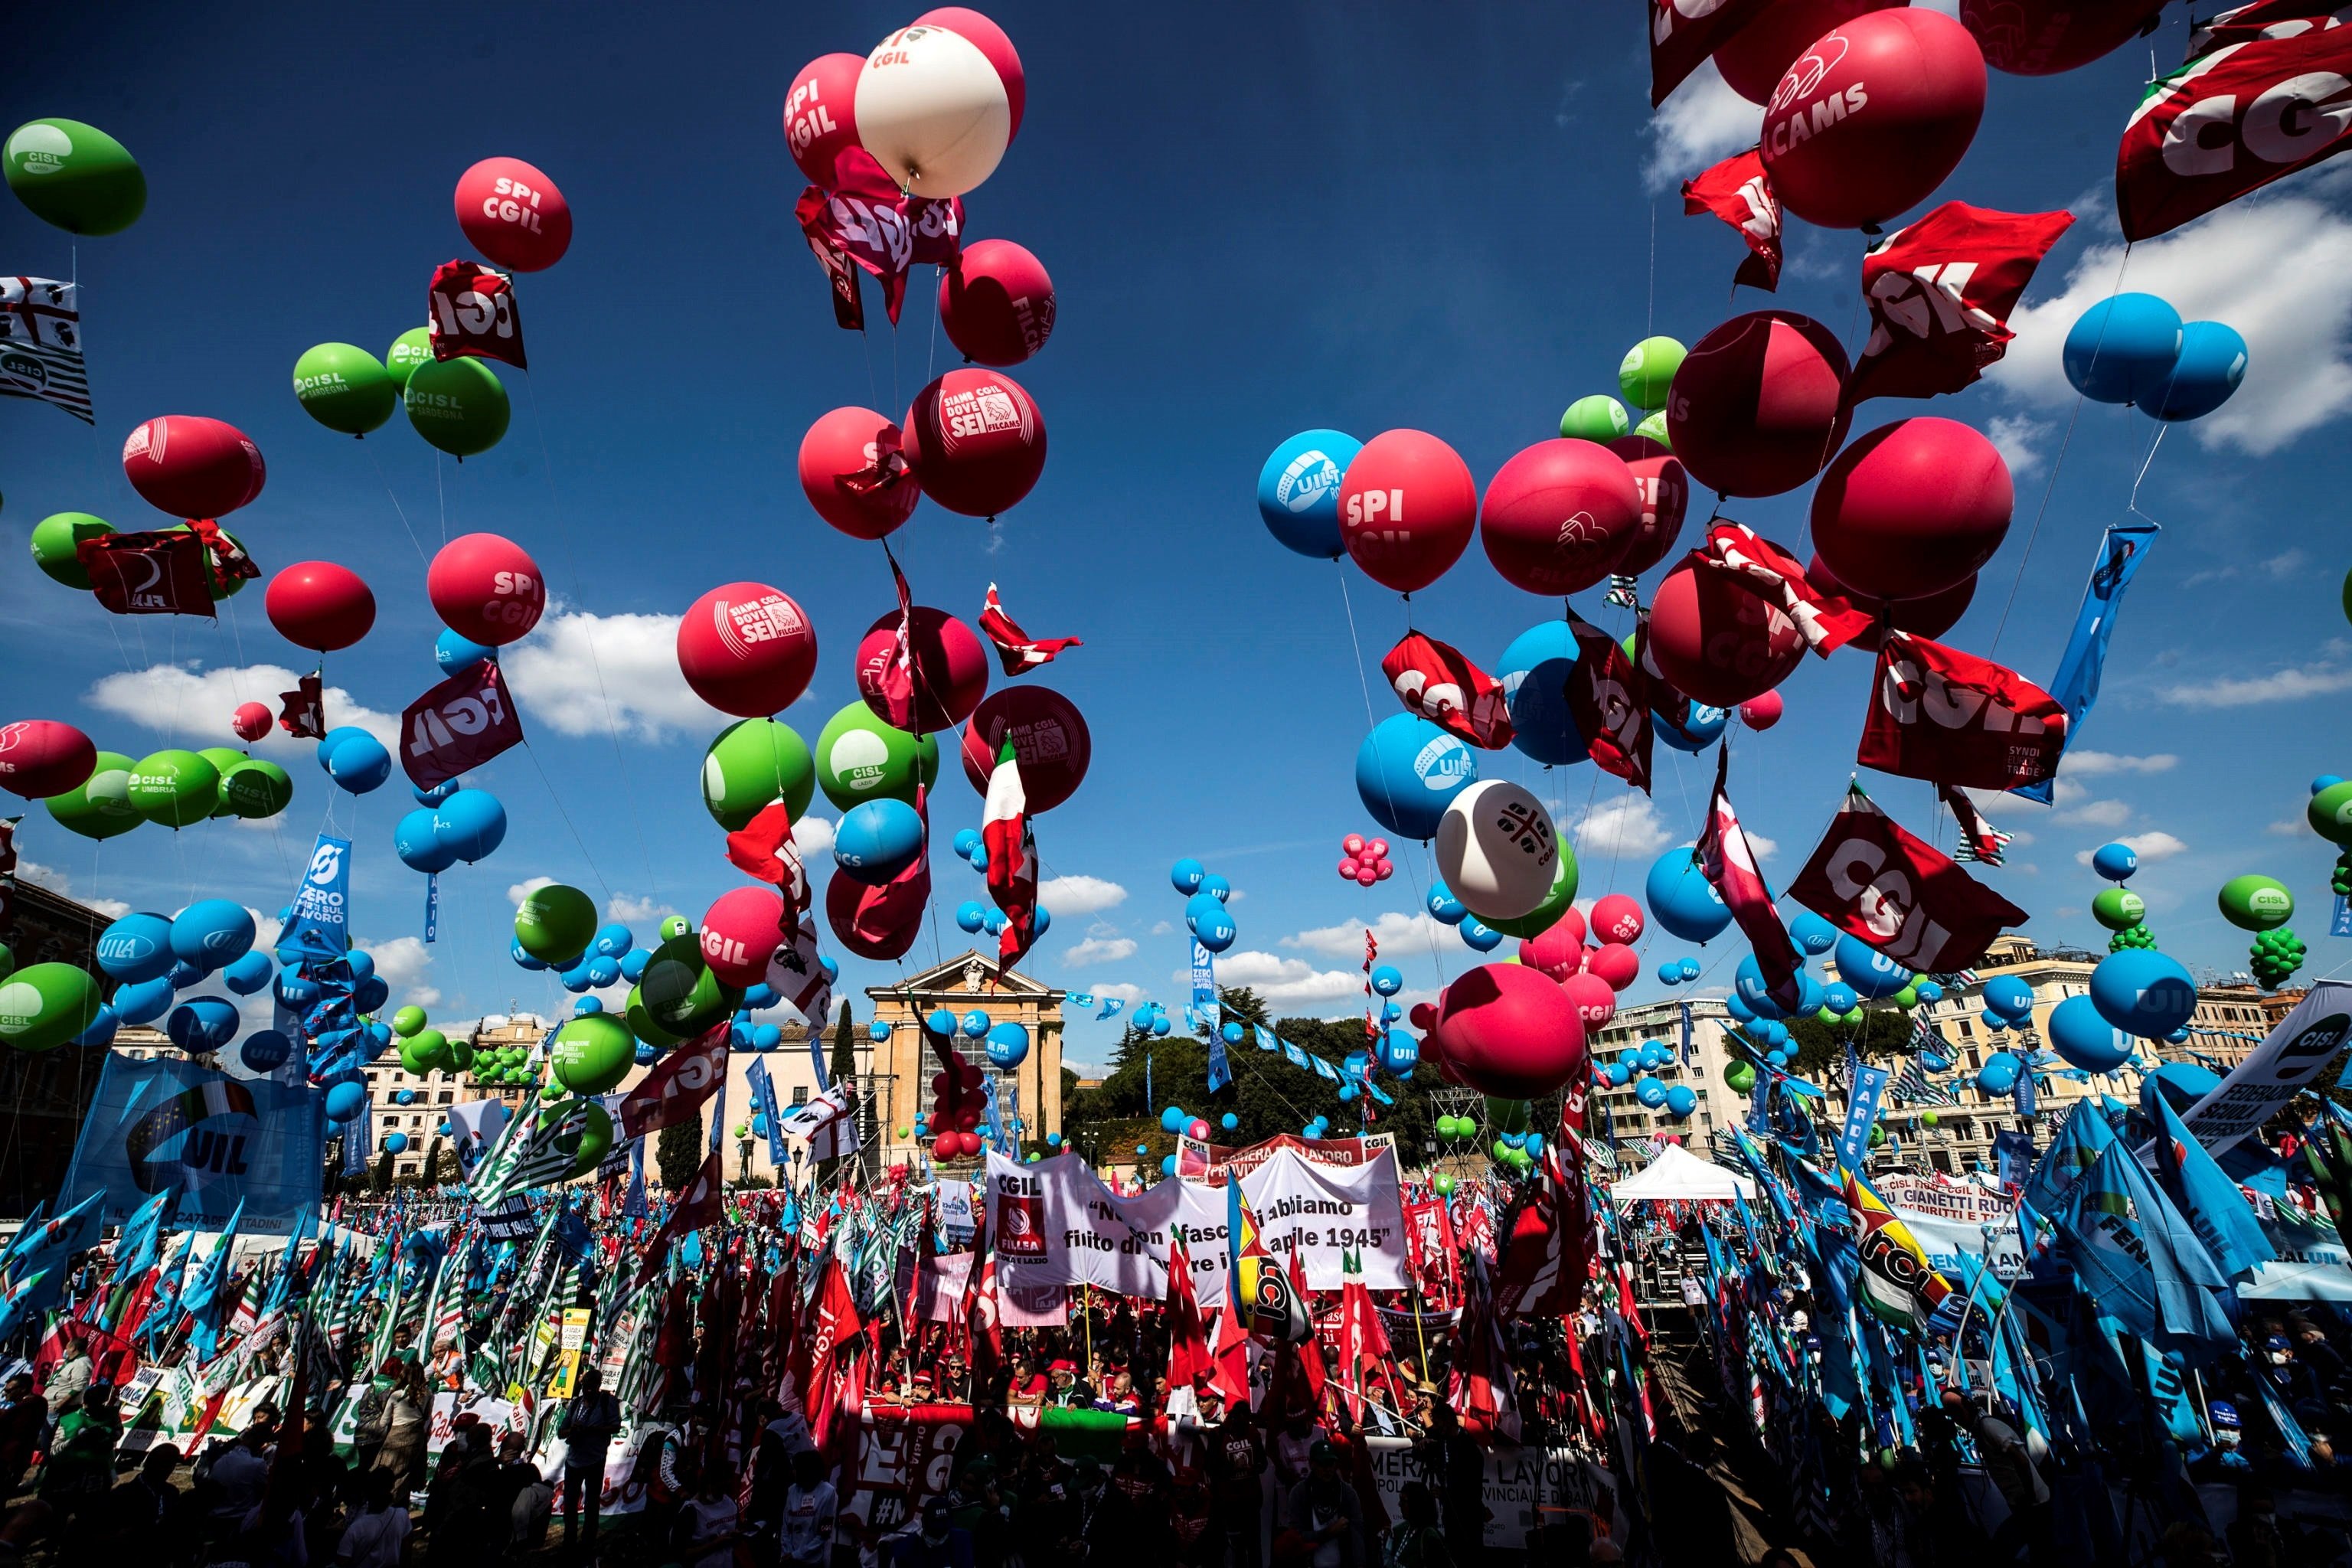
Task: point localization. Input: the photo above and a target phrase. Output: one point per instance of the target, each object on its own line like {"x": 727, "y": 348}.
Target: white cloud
{"x": 1285, "y": 981}
{"x": 1130, "y": 994}
{"x": 1100, "y": 950}
{"x": 191, "y": 702}
{"x": 2289, "y": 827}
{"x": 2018, "y": 439}
{"x": 813, "y": 836}
{"x": 1627, "y": 825}
{"x": 1704, "y": 122}
{"x": 2148, "y": 846}
{"x": 401, "y": 963}
{"x": 2085, "y": 763}
{"x": 2278, "y": 270}
{"x": 59, "y": 882}
{"x": 2096, "y": 814}
{"x": 629, "y": 910}
{"x": 1763, "y": 848}
{"x": 519, "y": 891}
{"x": 2280, "y": 686}
{"x": 2276, "y": 568}
{"x": 1079, "y": 894}
{"x": 1395, "y": 932}
{"x": 582, "y": 673}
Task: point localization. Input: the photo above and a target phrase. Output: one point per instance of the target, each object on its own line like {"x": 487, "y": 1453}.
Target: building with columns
{"x": 903, "y": 1066}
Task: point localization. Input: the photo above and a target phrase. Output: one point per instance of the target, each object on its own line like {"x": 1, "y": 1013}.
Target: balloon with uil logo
{"x": 1298, "y": 491}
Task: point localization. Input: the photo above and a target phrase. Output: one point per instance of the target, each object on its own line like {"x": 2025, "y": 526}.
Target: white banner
{"x": 1054, "y": 1223}
{"x": 2289, "y": 1060}
{"x": 1323, "y": 1213}
{"x": 1943, "y": 1239}
{"x": 1962, "y": 1203}
{"x": 1520, "y": 1486}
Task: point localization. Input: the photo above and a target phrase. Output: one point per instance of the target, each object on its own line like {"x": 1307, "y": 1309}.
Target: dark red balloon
{"x": 1716, "y": 642}
{"x": 2042, "y": 37}
{"x": 1665, "y": 486}
{"x": 1049, "y": 739}
{"x": 1912, "y": 507}
{"x": 740, "y": 934}
{"x": 192, "y": 467}
{"x": 1558, "y": 953}
{"x": 1757, "y": 407}
{"x": 996, "y": 302}
{"x": 1755, "y": 58}
{"x": 950, "y": 667}
{"x": 895, "y": 920}
{"x": 1929, "y": 616}
{"x": 1407, "y": 508}
{"x": 1872, "y": 116}
{"x": 250, "y": 722}
{"x": 852, "y": 472}
{"x": 1559, "y": 516}
{"x": 320, "y": 606}
{"x": 1505, "y": 1030}
{"x": 486, "y": 588}
{"x": 41, "y": 757}
{"x": 746, "y": 649}
{"x": 988, "y": 38}
{"x": 513, "y": 215}
{"x": 821, "y": 117}
{"x": 976, "y": 441}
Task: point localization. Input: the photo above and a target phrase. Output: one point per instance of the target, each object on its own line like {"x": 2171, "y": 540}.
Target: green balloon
{"x": 1908, "y": 998}
{"x": 592, "y": 1053}
{"x": 1647, "y": 371}
{"x": 555, "y": 923}
{"x": 595, "y": 1139}
{"x": 752, "y": 763}
{"x": 676, "y": 926}
{"x": 1599, "y": 417}
{"x": 7, "y": 962}
{"x": 75, "y": 177}
{"x": 222, "y": 757}
{"x": 2330, "y": 814}
{"x": 1877, "y": 1135}
{"x": 1544, "y": 916}
{"x": 411, "y": 349}
{"x": 254, "y": 788}
{"x": 101, "y": 806}
{"x": 676, "y": 997}
{"x": 1852, "y": 1015}
{"x": 53, "y": 538}
{"x": 42, "y": 1006}
{"x": 175, "y": 787}
{"x": 859, "y": 757}
{"x": 407, "y": 1021}
{"x": 2254, "y": 902}
{"x": 2118, "y": 908}
{"x": 1501, "y": 1151}
{"x": 1507, "y": 1115}
{"x": 1443, "y": 1183}
{"x": 1739, "y": 1077}
{"x": 425, "y": 1051}
{"x": 345, "y": 388}
{"x": 1653, "y": 428}
{"x": 456, "y": 404}
{"x": 1930, "y": 1118}
{"x": 461, "y": 1054}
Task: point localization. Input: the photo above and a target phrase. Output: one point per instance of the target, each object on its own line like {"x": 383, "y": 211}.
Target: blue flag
{"x": 2076, "y": 685}
{"x": 321, "y": 926}
{"x": 2080, "y": 1141}
{"x": 1862, "y": 1109}
{"x": 2135, "y": 1257}
{"x": 1264, "y": 1037}
{"x": 2209, "y": 1201}
{"x": 764, "y": 1102}
{"x": 224, "y": 1144}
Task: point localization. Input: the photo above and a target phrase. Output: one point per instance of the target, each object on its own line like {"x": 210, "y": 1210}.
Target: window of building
{"x": 800, "y": 1094}
{"x": 409, "y": 1169}
{"x": 445, "y": 1097}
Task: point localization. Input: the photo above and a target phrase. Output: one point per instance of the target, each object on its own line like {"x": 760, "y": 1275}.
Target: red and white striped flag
{"x": 1016, "y": 649}
{"x": 1012, "y": 844}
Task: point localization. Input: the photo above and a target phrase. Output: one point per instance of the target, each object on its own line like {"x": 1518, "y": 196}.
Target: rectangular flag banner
{"x": 1945, "y": 715}
{"x": 2076, "y": 685}
{"x": 1862, "y": 1109}
{"x": 2290, "y": 1059}
{"x": 1894, "y": 890}
{"x": 458, "y": 725}
{"x": 221, "y": 1140}
{"x": 1323, "y": 1213}
{"x": 1056, "y": 1223}
{"x": 320, "y": 927}
{"x": 40, "y": 343}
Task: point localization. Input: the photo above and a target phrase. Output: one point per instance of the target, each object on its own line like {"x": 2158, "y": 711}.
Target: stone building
{"x": 901, "y": 1075}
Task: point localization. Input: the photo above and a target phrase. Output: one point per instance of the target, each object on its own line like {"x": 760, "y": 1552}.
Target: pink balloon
{"x": 1872, "y": 116}
{"x": 1384, "y": 870}
{"x": 1352, "y": 844}
{"x": 1717, "y": 642}
{"x": 320, "y": 606}
{"x": 1505, "y": 1030}
{"x": 1378, "y": 848}
{"x": 746, "y": 649}
{"x": 44, "y": 757}
{"x": 1593, "y": 998}
{"x": 1616, "y": 918}
{"x": 1758, "y": 407}
{"x": 976, "y": 441}
{"x": 1912, "y": 507}
{"x": 250, "y": 722}
{"x": 1424, "y": 1015}
{"x": 2042, "y": 37}
{"x": 1348, "y": 868}
{"x": 513, "y": 215}
{"x": 1198, "y": 1132}
{"x": 1762, "y": 712}
{"x": 821, "y": 117}
{"x": 1407, "y": 509}
{"x": 1614, "y": 964}
{"x": 1664, "y": 488}
{"x": 486, "y": 588}
{"x": 996, "y": 302}
{"x": 740, "y": 934}
{"x": 1929, "y": 615}
{"x": 192, "y": 467}
{"x": 1555, "y": 954}
{"x": 852, "y": 473}
{"x": 1559, "y": 516}
{"x": 950, "y": 667}
{"x": 1049, "y": 736}
{"x": 1366, "y": 876}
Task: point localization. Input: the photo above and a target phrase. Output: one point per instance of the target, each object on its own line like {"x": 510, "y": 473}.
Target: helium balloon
{"x": 996, "y": 302}
{"x": 1757, "y": 56}
{"x": 1681, "y": 1100}
{"x": 746, "y": 649}
{"x": 1545, "y": 915}
{"x": 2010, "y": 996}
{"x": 411, "y": 349}
{"x": 2212, "y": 362}
{"x": 345, "y": 388}
{"x": 1408, "y": 771}
{"x": 75, "y": 177}
{"x": 359, "y": 764}
{"x": 740, "y": 934}
{"x": 1613, "y": 963}
{"x": 933, "y": 111}
{"x": 1928, "y": 615}
{"x": 1507, "y": 1031}
{"x": 1447, "y": 909}
{"x": 201, "y": 1024}
{"x": 2081, "y": 1034}
{"x": 177, "y": 788}
{"x": 555, "y": 923}
{"x": 2254, "y": 902}
{"x": 1534, "y": 675}
{"x": 860, "y": 757}
{"x": 1211, "y": 925}
{"x": 41, "y": 757}
{"x": 971, "y": 916}
{"x": 2329, "y": 812}
{"x": 1664, "y": 486}
{"x": 1049, "y": 739}
{"x": 142, "y": 1002}
{"x": 487, "y": 589}
{"x": 1186, "y": 876}
{"x": 1599, "y": 418}
{"x": 950, "y": 671}
{"x": 2116, "y": 861}
{"x": 2042, "y": 37}
{"x": 192, "y": 467}
{"x": 821, "y": 119}
{"x": 54, "y": 541}
{"x": 1647, "y": 374}
{"x": 1872, "y": 116}
{"x": 254, "y": 789}
{"x": 251, "y": 721}
{"x": 1716, "y": 641}
{"x": 248, "y": 975}
{"x": 1653, "y": 428}
{"x": 265, "y": 1052}
{"x": 1558, "y": 953}
{"x": 2123, "y": 349}
{"x": 1407, "y": 507}
{"x": 1705, "y": 728}
{"x": 975, "y": 441}
{"x": 513, "y": 215}
{"x": 212, "y": 932}
{"x": 457, "y": 405}
{"x": 988, "y": 38}
{"x": 854, "y": 473}
{"x": 1298, "y": 491}
{"x": 753, "y": 763}
{"x": 1386, "y": 980}
{"x": 1913, "y": 508}
{"x": 1595, "y": 999}
{"x": 1217, "y": 887}
{"x": 1496, "y": 848}
{"x": 1008, "y": 1047}
{"x": 1870, "y": 973}
{"x": 136, "y": 947}
{"x": 1650, "y": 1092}
{"x": 876, "y": 839}
{"x": 1616, "y": 918}
{"x": 1478, "y": 935}
{"x": 320, "y": 606}
{"x": 2141, "y": 993}
{"x": 2180, "y": 1084}
{"x": 591, "y": 1054}
{"x": 1763, "y": 710}
{"x": 1758, "y": 408}
{"x": 1559, "y": 516}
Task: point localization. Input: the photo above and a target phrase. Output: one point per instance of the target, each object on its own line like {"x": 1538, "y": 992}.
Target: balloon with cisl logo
{"x": 753, "y": 763}
{"x": 1717, "y": 643}
{"x": 1755, "y": 58}
{"x": 1559, "y": 516}
{"x": 1050, "y": 742}
{"x": 996, "y": 302}
{"x": 459, "y": 406}
{"x": 821, "y": 117}
{"x": 746, "y": 649}
{"x": 344, "y": 387}
{"x": 2042, "y": 37}
{"x": 1758, "y": 407}
{"x": 42, "y": 1006}
{"x": 1407, "y": 508}
{"x": 513, "y": 215}
{"x": 411, "y": 349}
{"x": 486, "y": 588}
{"x": 949, "y": 672}
{"x": 1872, "y": 116}
{"x": 1407, "y": 770}
{"x": 1299, "y": 492}
{"x": 42, "y": 757}
{"x": 190, "y": 466}
{"x": 1912, "y": 507}
{"x": 75, "y": 177}
{"x": 976, "y": 441}
{"x": 1664, "y": 486}
{"x": 854, "y": 475}
{"x": 859, "y": 758}
{"x": 933, "y": 111}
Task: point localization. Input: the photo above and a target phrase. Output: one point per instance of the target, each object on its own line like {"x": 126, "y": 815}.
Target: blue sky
{"x": 1258, "y": 221}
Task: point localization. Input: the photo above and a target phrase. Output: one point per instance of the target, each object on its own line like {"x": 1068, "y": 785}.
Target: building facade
{"x": 1030, "y": 1093}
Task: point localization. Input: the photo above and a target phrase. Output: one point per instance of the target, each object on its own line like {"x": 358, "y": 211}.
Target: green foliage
{"x": 1882, "y": 1032}
{"x": 678, "y": 1154}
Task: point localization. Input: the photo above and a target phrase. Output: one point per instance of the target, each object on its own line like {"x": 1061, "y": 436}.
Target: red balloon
{"x": 1872, "y": 117}
{"x": 320, "y": 606}
{"x": 950, "y": 667}
{"x": 1049, "y": 741}
{"x": 1912, "y": 507}
{"x": 1755, "y": 58}
{"x": 192, "y": 467}
{"x": 1664, "y": 486}
{"x": 976, "y": 441}
{"x": 821, "y": 116}
{"x": 1592, "y": 997}
{"x": 1717, "y": 643}
{"x": 852, "y": 472}
{"x": 1762, "y": 712}
{"x": 1198, "y": 1132}
{"x": 892, "y": 927}
{"x": 1616, "y": 919}
{"x": 1558, "y": 953}
{"x": 1424, "y": 1015}
{"x": 513, "y": 215}
{"x": 1407, "y": 506}
{"x": 740, "y": 931}
{"x": 1559, "y": 516}
{"x": 947, "y": 1145}
{"x": 1505, "y": 1030}
{"x": 487, "y": 588}
{"x": 1930, "y": 616}
{"x": 746, "y": 649}
{"x": 41, "y": 757}
{"x": 250, "y": 722}
{"x": 1757, "y": 406}
{"x": 988, "y": 38}
{"x": 1614, "y": 964}
{"x": 996, "y": 302}
{"x": 2042, "y": 37}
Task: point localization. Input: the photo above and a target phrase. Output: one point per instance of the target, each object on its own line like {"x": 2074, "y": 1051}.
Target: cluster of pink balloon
{"x": 1365, "y": 861}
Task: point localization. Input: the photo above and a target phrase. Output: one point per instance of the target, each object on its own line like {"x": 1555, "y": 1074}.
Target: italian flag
{"x": 1011, "y": 858}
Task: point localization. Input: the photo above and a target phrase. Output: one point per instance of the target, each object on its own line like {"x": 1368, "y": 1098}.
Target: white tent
{"x": 1677, "y": 1175}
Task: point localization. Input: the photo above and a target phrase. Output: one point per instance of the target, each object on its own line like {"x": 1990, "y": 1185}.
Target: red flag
{"x": 677, "y": 1085}
{"x": 302, "y": 713}
{"x": 1685, "y": 32}
{"x": 763, "y": 850}
{"x": 834, "y": 1325}
{"x": 703, "y": 1203}
{"x": 1980, "y": 839}
{"x": 167, "y": 573}
{"x": 1825, "y": 621}
{"x": 1739, "y": 192}
{"x": 1189, "y": 1363}
{"x": 1726, "y": 859}
{"x": 797, "y": 972}
{"x": 895, "y": 682}
{"x": 1610, "y": 699}
{"x": 1941, "y": 714}
{"x": 2263, "y": 18}
{"x": 1363, "y": 1347}
{"x": 471, "y": 311}
{"x": 883, "y": 235}
{"x": 1940, "y": 292}
{"x": 1873, "y": 881}
{"x": 1544, "y": 1261}
{"x": 458, "y": 725}
{"x": 2229, "y": 122}
{"x": 1438, "y": 682}
{"x": 1016, "y": 649}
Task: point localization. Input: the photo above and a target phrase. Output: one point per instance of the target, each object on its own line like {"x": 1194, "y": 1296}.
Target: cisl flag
{"x": 1941, "y": 714}
{"x": 1896, "y": 891}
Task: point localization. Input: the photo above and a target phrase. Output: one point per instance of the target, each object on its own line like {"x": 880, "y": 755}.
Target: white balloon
{"x": 1497, "y": 849}
{"x": 932, "y": 110}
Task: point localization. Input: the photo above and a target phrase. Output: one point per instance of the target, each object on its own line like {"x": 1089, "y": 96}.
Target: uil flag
{"x": 161, "y": 573}
{"x": 1016, "y": 650}
{"x": 1683, "y": 35}
{"x": 1946, "y": 716}
{"x": 1739, "y": 192}
{"x": 1894, "y": 890}
{"x": 1939, "y": 294}
{"x": 2229, "y": 122}
{"x": 1012, "y": 844}
{"x": 1438, "y": 682}
{"x": 471, "y": 311}
{"x": 1608, "y": 697}
{"x": 1727, "y": 862}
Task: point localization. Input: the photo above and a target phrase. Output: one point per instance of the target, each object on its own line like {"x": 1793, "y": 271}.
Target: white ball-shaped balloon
{"x": 1497, "y": 849}
{"x": 932, "y": 110}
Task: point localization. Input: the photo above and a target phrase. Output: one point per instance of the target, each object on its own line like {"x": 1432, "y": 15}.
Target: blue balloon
{"x": 939, "y": 1021}
{"x": 979, "y": 858}
{"x": 468, "y": 825}
{"x": 1228, "y": 1121}
{"x": 136, "y": 947}
{"x": 144, "y": 1001}
{"x": 1534, "y": 675}
{"x": 1160, "y": 1024}
{"x": 767, "y": 1038}
{"x": 974, "y": 1024}
{"x": 579, "y": 976}
{"x": 201, "y": 1024}
{"x": 418, "y": 846}
{"x": 379, "y": 1040}
{"x": 454, "y": 653}
{"x": 1670, "y": 973}
{"x": 1682, "y": 900}
{"x": 877, "y": 1031}
{"x": 265, "y": 1051}
{"x": 2122, "y": 350}
{"x": 971, "y": 915}
{"x": 1812, "y": 933}
{"x": 1407, "y": 770}
{"x": 295, "y": 991}
{"x": 2325, "y": 780}
{"x": 1443, "y": 907}
{"x": 1173, "y": 1120}
{"x": 1706, "y": 728}
{"x": 346, "y": 1099}
{"x": 1299, "y": 492}
{"x": 966, "y": 841}
{"x": 1217, "y": 887}
{"x": 587, "y": 1005}
{"x": 395, "y": 1142}
{"x": 100, "y": 1033}
{"x": 1651, "y": 1053}
{"x": 1478, "y": 935}
{"x": 2080, "y": 1034}
{"x": 1650, "y": 1091}
{"x": 1400, "y": 1052}
{"x": 336, "y": 737}
{"x": 1619, "y": 1075}
{"x": 1053, "y": 1140}
{"x": 1839, "y": 997}
{"x": 248, "y": 974}
{"x": 405, "y": 1097}
{"x": 2142, "y": 992}
{"x": 993, "y": 921}
{"x": 2008, "y": 995}
{"x": 1748, "y": 986}
{"x": 359, "y": 764}
{"x": 876, "y": 839}
{"x": 1691, "y": 969}
{"x": 1387, "y": 981}
{"x": 1211, "y": 925}
{"x": 360, "y": 962}
{"x": 1871, "y": 973}
{"x": 2212, "y": 362}
{"x": 1927, "y": 992}
{"x": 612, "y": 941}
{"x": 211, "y": 932}
{"x": 1008, "y": 1045}
{"x": 1231, "y": 1033}
{"x": 182, "y": 975}
{"x": 1993, "y": 1021}
{"x": 1681, "y": 1100}
{"x": 1040, "y": 921}
{"x": 1186, "y": 876}
{"x": 435, "y": 796}
{"x": 369, "y": 995}
{"x": 1390, "y": 1012}
{"x": 758, "y": 996}
{"x": 1167, "y": 1164}
{"x": 603, "y": 971}
{"x": 760, "y": 1125}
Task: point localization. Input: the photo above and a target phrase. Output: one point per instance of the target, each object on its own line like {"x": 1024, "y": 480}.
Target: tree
{"x": 678, "y": 1154}
{"x": 844, "y": 1070}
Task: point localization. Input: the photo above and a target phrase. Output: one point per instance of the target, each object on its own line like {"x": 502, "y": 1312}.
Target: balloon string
{"x": 585, "y": 852}
{"x": 1348, "y": 605}
{"x": 2132, "y": 506}
{"x": 397, "y": 509}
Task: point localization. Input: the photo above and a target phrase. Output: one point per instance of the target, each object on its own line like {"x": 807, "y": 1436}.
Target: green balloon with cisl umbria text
{"x": 175, "y": 787}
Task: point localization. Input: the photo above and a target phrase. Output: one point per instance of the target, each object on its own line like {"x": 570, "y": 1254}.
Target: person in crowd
{"x": 709, "y": 1526}
{"x": 1456, "y": 1468}
{"x": 81, "y": 1466}
{"x": 407, "y": 1413}
{"x": 1416, "y": 1540}
{"x": 144, "y": 1518}
{"x": 588, "y": 1428}
{"x": 376, "y": 1535}
{"x": 804, "y": 1528}
{"x": 2006, "y": 1459}
{"x": 1324, "y": 1510}
{"x": 23, "y": 1422}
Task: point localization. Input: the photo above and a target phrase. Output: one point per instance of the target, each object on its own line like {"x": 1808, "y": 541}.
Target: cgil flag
{"x": 1940, "y": 292}
{"x": 1892, "y": 890}
{"x": 1945, "y": 715}
{"x": 1436, "y": 681}
{"x": 1728, "y": 861}
{"x": 2229, "y": 122}
{"x": 1739, "y": 192}
{"x": 1016, "y": 650}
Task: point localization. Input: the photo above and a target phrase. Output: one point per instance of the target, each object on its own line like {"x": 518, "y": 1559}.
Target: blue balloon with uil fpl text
{"x": 1008, "y": 1045}
{"x": 1706, "y": 728}
{"x": 1407, "y": 770}
{"x": 1871, "y": 973}
{"x": 1534, "y": 673}
{"x": 2141, "y": 992}
{"x": 1298, "y": 491}
{"x": 1211, "y": 925}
